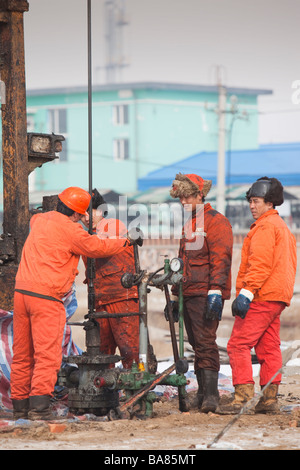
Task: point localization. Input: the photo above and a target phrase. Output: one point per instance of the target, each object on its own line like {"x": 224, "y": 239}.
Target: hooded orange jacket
{"x": 51, "y": 253}
{"x": 269, "y": 260}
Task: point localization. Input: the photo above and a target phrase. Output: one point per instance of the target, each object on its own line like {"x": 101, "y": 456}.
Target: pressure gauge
{"x": 176, "y": 264}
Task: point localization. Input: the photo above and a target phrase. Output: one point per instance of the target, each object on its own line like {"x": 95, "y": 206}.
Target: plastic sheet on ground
{"x": 167, "y": 391}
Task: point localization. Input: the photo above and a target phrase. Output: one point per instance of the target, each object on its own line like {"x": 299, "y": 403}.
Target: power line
{"x": 280, "y": 111}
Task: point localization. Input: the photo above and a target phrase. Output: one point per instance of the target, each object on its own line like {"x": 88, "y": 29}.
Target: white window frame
{"x": 55, "y": 126}
{"x": 121, "y": 149}
{"x": 120, "y": 114}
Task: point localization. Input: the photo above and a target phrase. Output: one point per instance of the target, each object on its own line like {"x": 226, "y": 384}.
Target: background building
{"x": 137, "y": 128}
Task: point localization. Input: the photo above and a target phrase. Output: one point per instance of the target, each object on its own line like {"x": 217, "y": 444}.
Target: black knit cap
{"x": 98, "y": 200}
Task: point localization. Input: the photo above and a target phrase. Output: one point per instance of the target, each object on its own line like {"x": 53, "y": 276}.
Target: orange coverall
{"x": 112, "y": 297}
{"x": 268, "y": 268}
{"x": 47, "y": 270}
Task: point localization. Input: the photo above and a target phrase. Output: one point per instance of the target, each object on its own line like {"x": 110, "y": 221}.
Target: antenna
{"x": 114, "y": 28}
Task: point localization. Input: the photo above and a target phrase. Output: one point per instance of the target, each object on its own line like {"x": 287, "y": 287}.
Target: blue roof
{"x": 281, "y": 161}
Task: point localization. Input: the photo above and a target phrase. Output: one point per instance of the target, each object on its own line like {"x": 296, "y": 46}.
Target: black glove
{"x": 175, "y": 311}
{"x": 214, "y": 306}
{"x": 135, "y": 236}
{"x": 241, "y": 304}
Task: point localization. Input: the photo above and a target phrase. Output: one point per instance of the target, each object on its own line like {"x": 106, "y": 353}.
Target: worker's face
{"x": 97, "y": 216}
{"x": 76, "y": 217}
{"x": 258, "y": 207}
{"x": 190, "y": 203}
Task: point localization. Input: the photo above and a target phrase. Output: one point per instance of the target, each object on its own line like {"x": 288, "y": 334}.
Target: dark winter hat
{"x": 98, "y": 200}
{"x": 269, "y": 188}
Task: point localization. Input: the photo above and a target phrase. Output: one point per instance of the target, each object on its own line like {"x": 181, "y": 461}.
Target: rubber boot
{"x": 39, "y": 408}
{"x": 200, "y": 388}
{"x": 268, "y": 402}
{"x": 210, "y": 391}
{"x": 20, "y": 408}
{"x": 243, "y": 393}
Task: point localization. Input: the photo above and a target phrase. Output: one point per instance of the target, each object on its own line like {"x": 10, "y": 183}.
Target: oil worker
{"x": 46, "y": 273}
{"x": 206, "y": 250}
{"x": 264, "y": 287}
{"x": 116, "y": 332}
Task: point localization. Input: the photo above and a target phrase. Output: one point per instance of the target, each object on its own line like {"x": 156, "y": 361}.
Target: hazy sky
{"x": 256, "y": 42}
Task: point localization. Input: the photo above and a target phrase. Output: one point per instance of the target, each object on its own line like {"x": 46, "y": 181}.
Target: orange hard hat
{"x": 76, "y": 199}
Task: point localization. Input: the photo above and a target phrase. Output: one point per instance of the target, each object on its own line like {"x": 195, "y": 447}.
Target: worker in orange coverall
{"x": 264, "y": 287}
{"x": 46, "y": 273}
{"x": 206, "y": 250}
{"x": 110, "y": 295}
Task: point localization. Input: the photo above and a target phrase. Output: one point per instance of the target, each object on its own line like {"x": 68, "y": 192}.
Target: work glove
{"x": 241, "y": 304}
{"x": 135, "y": 236}
{"x": 175, "y": 310}
{"x": 214, "y": 305}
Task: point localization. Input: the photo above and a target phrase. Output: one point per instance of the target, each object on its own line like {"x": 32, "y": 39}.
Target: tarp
{"x": 281, "y": 161}
{"x": 6, "y": 343}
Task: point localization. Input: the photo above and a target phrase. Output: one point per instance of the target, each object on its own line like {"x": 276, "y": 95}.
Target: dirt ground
{"x": 169, "y": 429}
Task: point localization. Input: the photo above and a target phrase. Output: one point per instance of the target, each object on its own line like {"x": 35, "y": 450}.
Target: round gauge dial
{"x": 176, "y": 264}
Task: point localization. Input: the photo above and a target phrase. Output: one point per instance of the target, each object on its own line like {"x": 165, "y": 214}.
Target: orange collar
{"x": 266, "y": 214}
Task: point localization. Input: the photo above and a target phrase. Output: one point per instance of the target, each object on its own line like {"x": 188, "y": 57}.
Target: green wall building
{"x": 136, "y": 128}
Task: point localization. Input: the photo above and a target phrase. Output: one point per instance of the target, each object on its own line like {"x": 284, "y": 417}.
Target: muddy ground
{"x": 169, "y": 429}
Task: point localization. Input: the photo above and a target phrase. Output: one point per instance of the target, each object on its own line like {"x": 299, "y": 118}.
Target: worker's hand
{"x": 175, "y": 311}
{"x": 241, "y": 304}
{"x": 214, "y": 305}
{"x": 175, "y": 308}
{"x": 135, "y": 236}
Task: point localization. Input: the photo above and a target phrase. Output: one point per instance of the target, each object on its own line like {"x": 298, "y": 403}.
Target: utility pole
{"x": 221, "y": 151}
{"x": 221, "y": 111}
{"x": 22, "y": 152}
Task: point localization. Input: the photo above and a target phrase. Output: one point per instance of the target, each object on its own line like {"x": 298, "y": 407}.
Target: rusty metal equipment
{"x": 94, "y": 383}
{"x": 172, "y": 275}
{"x": 85, "y": 383}
{"x": 22, "y": 152}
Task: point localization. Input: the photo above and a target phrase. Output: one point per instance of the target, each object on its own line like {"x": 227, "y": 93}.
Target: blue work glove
{"x": 214, "y": 305}
{"x": 241, "y": 304}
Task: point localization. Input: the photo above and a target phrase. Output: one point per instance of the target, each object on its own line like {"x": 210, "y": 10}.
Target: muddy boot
{"x": 243, "y": 393}
{"x": 39, "y": 408}
{"x": 268, "y": 402}
{"x": 199, "y": 396}
{"x": 210, "y": 391}
{"x": 20, "y": 408}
